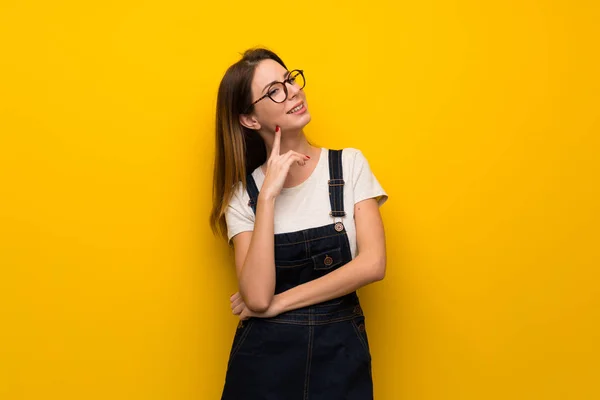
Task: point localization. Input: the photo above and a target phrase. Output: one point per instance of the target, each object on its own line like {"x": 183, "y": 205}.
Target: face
{"x": 291, "y": 114}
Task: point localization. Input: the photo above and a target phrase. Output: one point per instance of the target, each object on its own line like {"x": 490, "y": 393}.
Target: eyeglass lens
{"x": 277, "y": 92}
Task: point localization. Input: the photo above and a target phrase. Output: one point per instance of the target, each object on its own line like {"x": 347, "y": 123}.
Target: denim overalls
{"x": 319, "y": 352}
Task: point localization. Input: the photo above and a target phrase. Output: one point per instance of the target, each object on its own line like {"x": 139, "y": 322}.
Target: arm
{"x": 254, "y": 258}
{"x": 367, "y": 267}
{"x": 254, "y": 251}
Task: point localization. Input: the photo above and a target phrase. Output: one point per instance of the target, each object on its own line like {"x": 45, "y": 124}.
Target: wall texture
{"x": 480, "y": 119}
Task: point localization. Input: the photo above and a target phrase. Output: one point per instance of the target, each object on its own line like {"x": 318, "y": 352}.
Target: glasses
{"x": 278, "y": 92}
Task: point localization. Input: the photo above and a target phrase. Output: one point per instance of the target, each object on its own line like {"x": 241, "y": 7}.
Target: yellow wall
{"x": 481, "y": 121}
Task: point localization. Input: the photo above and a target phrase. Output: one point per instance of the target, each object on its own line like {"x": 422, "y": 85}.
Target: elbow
{"x": 258, "y": 303}
{"x": 378, "y": 269}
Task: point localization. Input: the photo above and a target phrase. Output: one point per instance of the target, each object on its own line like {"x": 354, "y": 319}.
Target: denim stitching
{"x": 336, "y": 189}
{"x": 336, "y": 252}
{"x": 346, "y": 246}
{"x": 310, "y": 260}
{"x": 336, "y": 183}
{"x": 293, "y": 266}
{"x": 340, "y": 168}
{"x": 329, "y": 304}
{"x": 242, "y": 340}
{"x": 325, "y": 314}
{"x": 360, "y": 337}
{"x": 328, "y": 267}
{"x": 332, "y": 175}
{"x": 312, "y": 323}
{"x": 306, "y": 247}
{"x": 308, "y": 361}
{"x": 343, "y": 213}
{"x": 310, "y": 240}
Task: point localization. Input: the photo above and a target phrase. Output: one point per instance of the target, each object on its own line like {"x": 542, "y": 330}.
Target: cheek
{"x": 273, "y": 111}
{"x": 268, "y": 117}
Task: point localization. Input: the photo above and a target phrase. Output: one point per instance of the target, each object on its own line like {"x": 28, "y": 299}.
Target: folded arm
{"x": 367, "y": 267}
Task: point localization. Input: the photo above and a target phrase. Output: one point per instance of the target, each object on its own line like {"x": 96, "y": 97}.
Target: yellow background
{"x": 481, "y": 121}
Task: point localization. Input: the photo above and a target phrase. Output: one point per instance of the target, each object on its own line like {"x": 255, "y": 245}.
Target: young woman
{"x": 307, "y": 233}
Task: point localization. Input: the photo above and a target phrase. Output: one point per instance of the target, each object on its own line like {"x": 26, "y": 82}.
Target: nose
{"x": 292, "y": 90}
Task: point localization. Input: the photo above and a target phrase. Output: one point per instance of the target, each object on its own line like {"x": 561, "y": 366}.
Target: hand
{"x": 239, "y": 308}
{"x": 278, "y": 166}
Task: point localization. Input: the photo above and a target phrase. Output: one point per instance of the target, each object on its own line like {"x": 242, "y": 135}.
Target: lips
{"x": 296, "y": 105}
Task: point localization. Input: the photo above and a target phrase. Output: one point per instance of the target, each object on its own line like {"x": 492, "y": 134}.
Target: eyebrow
{"x": 269, "y": 84}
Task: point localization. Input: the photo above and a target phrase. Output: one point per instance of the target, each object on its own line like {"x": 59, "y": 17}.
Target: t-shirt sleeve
{"x": 364, "y": 182}
{"x": 238, "y": 215}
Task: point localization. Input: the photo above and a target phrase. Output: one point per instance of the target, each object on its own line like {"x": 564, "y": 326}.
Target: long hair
{"x": 239, "y": 150}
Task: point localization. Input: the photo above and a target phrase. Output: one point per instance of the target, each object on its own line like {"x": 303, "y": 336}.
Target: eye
{"x": 273, "y": 91}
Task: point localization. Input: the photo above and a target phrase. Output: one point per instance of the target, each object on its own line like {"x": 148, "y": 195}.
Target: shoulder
{"x": 238, "y": 213}
{"x": 352, "y": 153}
{"x": 239, "y": 196}
{"x": 364, "y": 182}
{"x": 353, "y": 159}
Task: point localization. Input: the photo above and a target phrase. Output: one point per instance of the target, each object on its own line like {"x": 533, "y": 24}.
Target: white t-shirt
{"x": 307, "y": 205}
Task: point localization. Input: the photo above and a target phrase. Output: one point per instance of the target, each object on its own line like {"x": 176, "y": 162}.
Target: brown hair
{"x": 238, "y": 149}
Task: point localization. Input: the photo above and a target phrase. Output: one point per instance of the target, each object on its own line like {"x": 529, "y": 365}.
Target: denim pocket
{"x": 361, "y": 333}
{"x": 241, "y": 334}
{"x": 328, "y": 259}
{"x": 322, "y": 261}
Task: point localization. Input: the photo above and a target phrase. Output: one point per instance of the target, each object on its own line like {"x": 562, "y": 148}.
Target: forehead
{"x": 266, "y": 72}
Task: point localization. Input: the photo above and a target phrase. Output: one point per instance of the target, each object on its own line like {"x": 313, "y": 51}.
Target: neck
{"x": 289, "y": 141}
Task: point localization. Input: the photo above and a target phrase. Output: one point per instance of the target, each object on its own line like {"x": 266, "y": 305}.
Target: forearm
{"x": 361, "y": 271}
{"x": 257, "y": 276}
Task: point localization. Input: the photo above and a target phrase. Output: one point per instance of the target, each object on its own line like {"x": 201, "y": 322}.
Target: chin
{"x": 307, "y": 118}
{"x": 301, "y": 124}
{"x": 297, "y": 123}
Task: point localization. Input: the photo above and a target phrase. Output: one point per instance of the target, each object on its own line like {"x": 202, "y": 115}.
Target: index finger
{"x": 276, "y": 142}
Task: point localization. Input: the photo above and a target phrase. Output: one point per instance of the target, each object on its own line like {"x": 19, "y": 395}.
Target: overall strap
{"x": 336, "y": 184}
{"x": 252, "y": 190}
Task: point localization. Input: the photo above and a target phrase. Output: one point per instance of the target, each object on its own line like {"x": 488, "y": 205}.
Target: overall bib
{"x": 319, "y": 352}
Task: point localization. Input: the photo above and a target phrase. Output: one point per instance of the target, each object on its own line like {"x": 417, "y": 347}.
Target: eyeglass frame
{"x": 287, "y": 80}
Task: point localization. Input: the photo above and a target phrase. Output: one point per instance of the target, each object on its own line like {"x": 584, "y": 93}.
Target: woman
{"x": 297, "y": 216}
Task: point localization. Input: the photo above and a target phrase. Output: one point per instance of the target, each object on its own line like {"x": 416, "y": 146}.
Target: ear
{"x": 249, "y": 121}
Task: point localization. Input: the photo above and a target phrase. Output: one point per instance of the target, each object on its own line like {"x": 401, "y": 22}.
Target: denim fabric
{"x": 319, "y": 352}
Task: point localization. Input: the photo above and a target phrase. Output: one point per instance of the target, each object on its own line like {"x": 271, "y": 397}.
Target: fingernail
{"x": 277, "y": 128}
{"x": 307, "y": 156}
